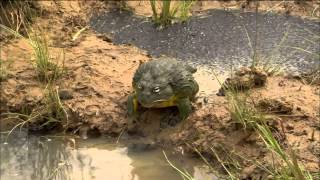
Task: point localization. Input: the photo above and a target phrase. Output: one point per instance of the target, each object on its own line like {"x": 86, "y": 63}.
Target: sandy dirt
{"x": 99, "y": 76}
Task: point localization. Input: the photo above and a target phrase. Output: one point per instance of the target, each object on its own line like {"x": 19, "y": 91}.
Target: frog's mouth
{"x": 161, "y": 103}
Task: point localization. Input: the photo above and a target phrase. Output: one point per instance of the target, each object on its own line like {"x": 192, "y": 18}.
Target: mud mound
{"x": 244, "y": 79}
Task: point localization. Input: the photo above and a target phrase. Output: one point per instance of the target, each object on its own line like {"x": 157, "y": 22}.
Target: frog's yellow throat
{"x": 157, "y": 104}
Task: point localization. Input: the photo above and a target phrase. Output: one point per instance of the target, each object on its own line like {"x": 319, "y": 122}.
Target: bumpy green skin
{"x": 162, "y": 83}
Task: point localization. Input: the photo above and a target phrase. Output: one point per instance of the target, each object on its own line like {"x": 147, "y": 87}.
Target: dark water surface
{"x": 26, "y": 157}
{"x": 221, "y": 38}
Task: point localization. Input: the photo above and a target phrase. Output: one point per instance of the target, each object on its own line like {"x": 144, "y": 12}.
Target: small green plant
{"x": 170, "y": 12}
{"x": 48, "y": 70}
{"x": 55, "y": 111}
{"x": 240, "y": 112}
{"x": 292, "y": 168}
{"x": 184, "y": 9}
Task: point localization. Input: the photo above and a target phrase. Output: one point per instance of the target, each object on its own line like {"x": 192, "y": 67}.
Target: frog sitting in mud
{"x": 163, "y": 83}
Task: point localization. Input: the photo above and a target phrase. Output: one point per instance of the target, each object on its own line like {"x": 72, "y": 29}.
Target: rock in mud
{"x": 65, "y": 94}
{"x": 244, "y": 79}
{"x": 275, "y": 106}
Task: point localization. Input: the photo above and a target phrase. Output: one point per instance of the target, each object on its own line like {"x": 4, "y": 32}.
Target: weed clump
{"x": 170, "y": 12}
{"x": 48, "y": 71}
{"x": 248, "y": 116}
{"x": 49, "y": 114}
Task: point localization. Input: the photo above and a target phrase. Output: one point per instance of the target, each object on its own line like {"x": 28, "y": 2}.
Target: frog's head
{"x": 158, "y": 83}
{"x": 152, "y": 90}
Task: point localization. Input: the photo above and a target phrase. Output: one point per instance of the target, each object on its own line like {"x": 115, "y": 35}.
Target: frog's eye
{"x": 156, "y": 90}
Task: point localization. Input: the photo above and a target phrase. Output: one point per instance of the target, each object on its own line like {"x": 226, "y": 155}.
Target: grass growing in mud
{"x": 289, "y": 167}
{"x": 170, "y": 11}
{"x": 240, "y": 112}
{"x": 47, "y": 69}
{"x": 48, "y": 114}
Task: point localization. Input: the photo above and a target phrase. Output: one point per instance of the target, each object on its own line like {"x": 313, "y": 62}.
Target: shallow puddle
{"x": 37, "y": 157}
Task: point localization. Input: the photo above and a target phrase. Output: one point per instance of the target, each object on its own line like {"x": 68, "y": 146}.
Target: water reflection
{"x": 33, "y": 157}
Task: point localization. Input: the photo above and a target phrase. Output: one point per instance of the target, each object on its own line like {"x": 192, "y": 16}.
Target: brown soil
{"x": 98, "y": 80}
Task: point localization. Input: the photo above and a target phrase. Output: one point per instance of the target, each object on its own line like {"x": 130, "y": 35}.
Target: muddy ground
{"x": 98, "y": 80}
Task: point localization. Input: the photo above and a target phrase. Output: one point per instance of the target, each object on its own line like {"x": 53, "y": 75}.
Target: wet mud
{"x": 221, "y": 39}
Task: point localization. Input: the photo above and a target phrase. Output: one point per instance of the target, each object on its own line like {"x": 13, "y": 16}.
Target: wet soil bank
{"x": 220, "y": 38}
{"x": 98, "y": 80}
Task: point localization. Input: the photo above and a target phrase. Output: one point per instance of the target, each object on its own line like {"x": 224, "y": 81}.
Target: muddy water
{"x": 26, "y": 157}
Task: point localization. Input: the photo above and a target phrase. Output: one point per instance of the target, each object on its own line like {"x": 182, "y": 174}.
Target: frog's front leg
{"x": 132, "y": 104}
{"x": 185, "y": 108}
{"x": 132, "y": 108}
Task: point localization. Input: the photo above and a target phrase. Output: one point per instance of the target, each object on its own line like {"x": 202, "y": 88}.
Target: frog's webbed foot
{"x": 185, "y": 108}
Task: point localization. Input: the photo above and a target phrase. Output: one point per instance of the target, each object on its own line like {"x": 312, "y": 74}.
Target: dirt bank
{"x": 98, "y": 80}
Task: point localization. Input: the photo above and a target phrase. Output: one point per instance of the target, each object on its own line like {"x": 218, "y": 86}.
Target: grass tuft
{"x": 48, "y": 71}
{"x": 240, "y": 112}
{"x": 249, "y": 117}
{"x": 179, "y": 10}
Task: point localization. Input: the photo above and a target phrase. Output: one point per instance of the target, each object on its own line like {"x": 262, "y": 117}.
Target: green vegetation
{"x": 48, "y": 70}
{"x": 250, "y": 117}
{"x": 291, "y": 169}
{"x": 240, "y": 111}
{"x": 49, "y": 113}
{"x": 170, "y": 11}
{"x": 55, "y": 111}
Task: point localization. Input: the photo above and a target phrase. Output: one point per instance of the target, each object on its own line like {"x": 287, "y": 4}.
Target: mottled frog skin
{"x": 163, "y": 83}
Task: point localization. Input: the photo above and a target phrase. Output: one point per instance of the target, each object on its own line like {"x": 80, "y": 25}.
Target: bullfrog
{"x": 161, "y": 83}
